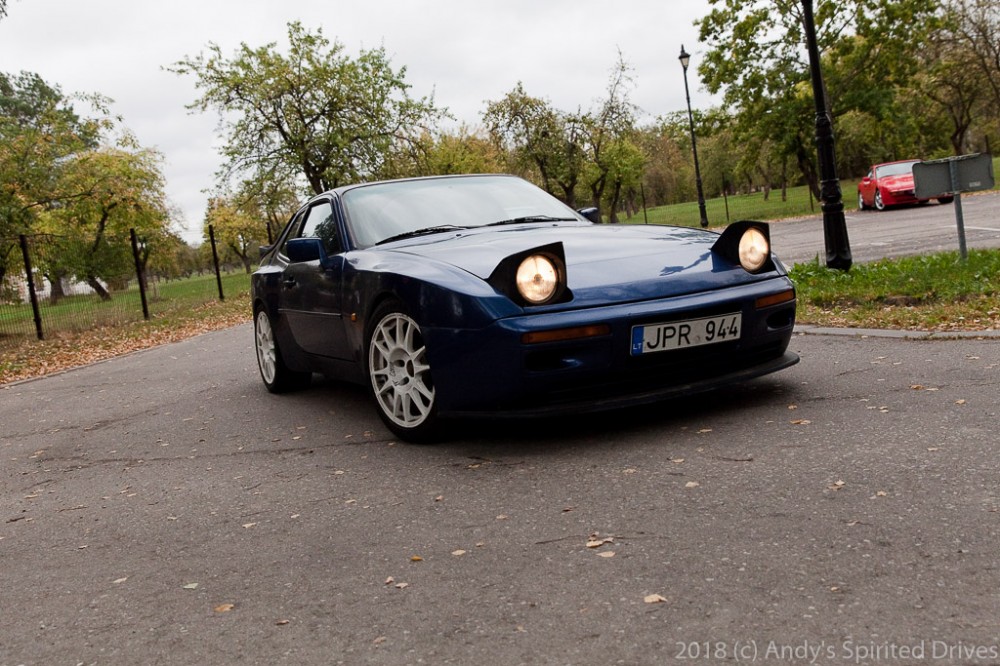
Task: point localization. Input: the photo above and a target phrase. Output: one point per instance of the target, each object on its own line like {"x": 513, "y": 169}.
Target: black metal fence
{"x": 50, "y": 284}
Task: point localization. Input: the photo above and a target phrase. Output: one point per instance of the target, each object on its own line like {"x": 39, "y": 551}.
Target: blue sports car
{"x": 470, "y": 295}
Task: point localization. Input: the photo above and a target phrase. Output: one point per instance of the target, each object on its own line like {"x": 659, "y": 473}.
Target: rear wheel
{"x": 879, "y": 205}
{"x": 276, "y": 375}
{"x": 400, "y": 374}
{"x": 945, "y": 200}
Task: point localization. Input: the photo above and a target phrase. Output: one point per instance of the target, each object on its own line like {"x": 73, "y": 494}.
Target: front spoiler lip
{"x": 599, "y": 404}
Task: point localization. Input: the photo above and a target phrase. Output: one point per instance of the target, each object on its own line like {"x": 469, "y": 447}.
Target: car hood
{"x": 619, "y": 262}
{"x": 897, "y": 182}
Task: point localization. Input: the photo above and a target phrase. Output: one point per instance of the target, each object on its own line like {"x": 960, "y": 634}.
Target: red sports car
{"x": 890, "y": 184}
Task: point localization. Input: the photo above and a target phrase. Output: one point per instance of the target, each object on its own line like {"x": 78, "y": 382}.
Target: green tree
{"x": 40, "y": 133}
{"x": 240, "y": 232}
{"x": 117, "y": 188}
{"x": 756, "y": 59}
{"x": 331, "y": 118}
{"x": 541, "y": 143}
{"x": 612, "y": 158}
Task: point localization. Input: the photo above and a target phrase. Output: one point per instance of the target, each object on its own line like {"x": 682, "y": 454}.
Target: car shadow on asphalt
{"x": 516, "y": 435}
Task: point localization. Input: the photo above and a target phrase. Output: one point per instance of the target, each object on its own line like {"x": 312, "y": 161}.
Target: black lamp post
{"x": 685, "y": 59}
{"x": 838, "y": 246}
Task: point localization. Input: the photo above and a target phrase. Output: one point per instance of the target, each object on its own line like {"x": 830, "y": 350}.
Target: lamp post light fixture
{"x": 838, "y": 246}
{"x": 685, "y": 59}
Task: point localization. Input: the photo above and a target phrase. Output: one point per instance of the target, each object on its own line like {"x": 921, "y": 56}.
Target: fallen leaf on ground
{"x": 224, "y": 608}
{"x": 654, "y": 599}
{"x": 190, "y": 586}
{"x": 691, "y": 484}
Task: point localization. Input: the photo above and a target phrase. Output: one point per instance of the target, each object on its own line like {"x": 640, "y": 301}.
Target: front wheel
{"x": 879, "y": 204}
{"x": 400, "y": 375}
{"x": 861, "y": 202}
{"x": 276, "y": 375}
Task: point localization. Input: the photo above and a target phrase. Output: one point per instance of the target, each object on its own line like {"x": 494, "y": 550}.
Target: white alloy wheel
{"x": 879, "y": 205}
{"x": 399, "y": 372}
{"x": 267, "y": 351}
{"x": 278, "y": 377}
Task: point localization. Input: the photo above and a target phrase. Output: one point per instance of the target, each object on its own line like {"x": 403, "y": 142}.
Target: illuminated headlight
{"x": 754, "y": 249}
{"x": 537, "y": 279}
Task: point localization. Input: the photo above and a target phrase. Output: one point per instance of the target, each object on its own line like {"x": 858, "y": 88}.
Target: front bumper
{"x": 491, "y": 371}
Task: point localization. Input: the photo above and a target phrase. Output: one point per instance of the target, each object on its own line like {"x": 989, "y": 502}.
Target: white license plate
{"x": 684, "y": 334}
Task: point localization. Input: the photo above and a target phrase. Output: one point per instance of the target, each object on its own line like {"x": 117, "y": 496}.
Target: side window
{"x": 321, "y": 223}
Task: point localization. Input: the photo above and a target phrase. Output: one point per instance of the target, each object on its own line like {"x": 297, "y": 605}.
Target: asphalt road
{"x": 162, "y": 508}
{"x": 895, "y": 232}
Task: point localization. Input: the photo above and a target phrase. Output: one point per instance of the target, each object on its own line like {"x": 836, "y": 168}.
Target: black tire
{"x": 399, "y": 375}
{"x": 277, "y": 377}
{"x": 945, "y": 200}
{"x": 861, "y": 202}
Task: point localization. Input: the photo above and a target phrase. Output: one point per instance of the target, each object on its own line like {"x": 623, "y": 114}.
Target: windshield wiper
{"x": 421, "y": 232}
{"x": 533, "y": 218}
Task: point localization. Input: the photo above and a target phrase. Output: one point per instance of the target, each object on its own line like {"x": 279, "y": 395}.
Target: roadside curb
{"x": 808, "y": 329}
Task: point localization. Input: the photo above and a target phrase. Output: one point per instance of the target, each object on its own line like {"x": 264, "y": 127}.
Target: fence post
{"x": 139, "y": 274}
{"x": 31, "y": 287}
{"x": 215, "y": 260}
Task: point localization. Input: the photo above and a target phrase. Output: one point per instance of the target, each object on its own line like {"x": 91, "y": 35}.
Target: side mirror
{"x": 592, "y": 214}
{"x": 306, "y": 249}
{"x": 264, "y": 249}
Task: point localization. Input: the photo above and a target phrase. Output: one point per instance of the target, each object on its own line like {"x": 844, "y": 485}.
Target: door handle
{"x": 288, "y": 282}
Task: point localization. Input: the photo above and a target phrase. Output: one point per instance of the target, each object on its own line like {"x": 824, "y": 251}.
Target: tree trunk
{"x": 98, "y": 288}
{"x": 56, "y": 291}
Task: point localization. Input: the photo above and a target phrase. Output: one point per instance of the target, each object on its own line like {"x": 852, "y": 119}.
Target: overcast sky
{"x": 465, "y": 52}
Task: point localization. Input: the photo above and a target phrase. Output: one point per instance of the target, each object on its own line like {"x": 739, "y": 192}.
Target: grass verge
{"x": 939, "y": 292}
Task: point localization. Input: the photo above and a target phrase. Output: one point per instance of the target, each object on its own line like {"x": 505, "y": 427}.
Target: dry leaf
{"x": 691, "y": 484}
{"x": 247, "y": 526}
{"x": 281, "y": 623}
{"x": 607, "y": 553}
{"x": 458, "y": 553}
{"x": 677, "y": 461}
{"x": 390, "y": 580}
{"x": 190, "y": 586}
{"x": 402, "y": 586}
{"x": 224, "y": 608}
{"x": 119, "y": 581}
{"x": 704, "y": 430}
{"x": 801, "y": 422}
{"x": 917, "y": 387}
{"x": 960, "y": 402}
{"x": 654, "y": 599}
{"x": 416, "y": 558}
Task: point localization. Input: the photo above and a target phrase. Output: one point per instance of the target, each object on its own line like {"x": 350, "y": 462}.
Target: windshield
{"x": 382, "y": 211}
{"x": 901, "y": 169}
